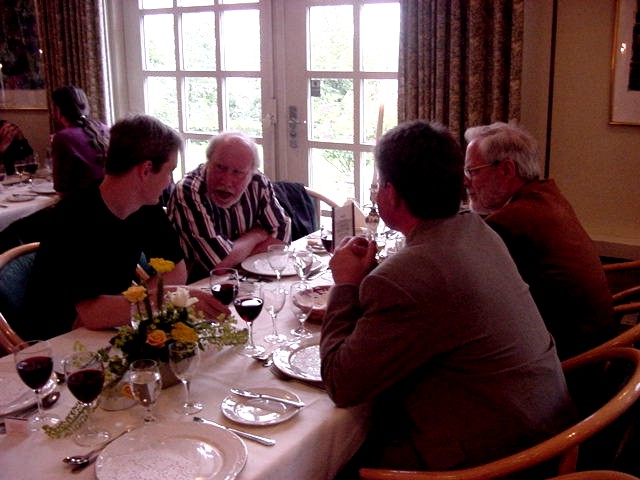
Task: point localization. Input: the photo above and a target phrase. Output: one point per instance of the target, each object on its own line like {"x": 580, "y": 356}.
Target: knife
{"x": 286, "y": 401}
{"x": 256, "y": 438}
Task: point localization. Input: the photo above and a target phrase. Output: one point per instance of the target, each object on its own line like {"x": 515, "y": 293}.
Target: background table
{"x": 314, "y": 444}
{"x": 11, "y": 211}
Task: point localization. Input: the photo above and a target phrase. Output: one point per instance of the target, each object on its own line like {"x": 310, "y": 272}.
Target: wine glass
{"x": 224, "y": 284}
{"x": 302, "y": 300}
{"x": 326, "y": 237}
{"x": 146, "y": 383}
{"x": 34, "y": 363}
{"x": 84, "y": 372}
{"x": 248, "y": 304}
{"x": 274, "y": 296}
{"x": 184, "y": 360}
{"x": 303, "y": 261}
{"x": 278, "y": 256}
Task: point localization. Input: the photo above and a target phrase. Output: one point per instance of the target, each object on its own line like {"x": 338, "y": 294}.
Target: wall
{"x": 596, "y": 165}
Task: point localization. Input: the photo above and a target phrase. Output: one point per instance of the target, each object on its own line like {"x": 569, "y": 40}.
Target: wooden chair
{"x": 324, "y": 205}
{"x": 8, "y": 338}
{"x": 564, "y": 446}
{"x": 15, "y": 266}
{"x": 596, "y": 475}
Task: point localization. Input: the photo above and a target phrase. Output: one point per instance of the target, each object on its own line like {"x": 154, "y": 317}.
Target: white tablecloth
{"x": 10, "y": 211}
{"x": 312, "y": 445}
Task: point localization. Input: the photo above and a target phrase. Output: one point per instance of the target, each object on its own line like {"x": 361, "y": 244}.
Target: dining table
{"x": 312, "y": 442}
{"x": 20, "y": 199}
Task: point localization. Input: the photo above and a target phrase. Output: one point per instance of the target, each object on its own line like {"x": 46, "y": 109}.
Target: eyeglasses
{"x": 468, "y": 171}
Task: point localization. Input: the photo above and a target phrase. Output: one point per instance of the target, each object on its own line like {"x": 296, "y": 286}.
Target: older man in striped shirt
{"x": 226, "y": 210}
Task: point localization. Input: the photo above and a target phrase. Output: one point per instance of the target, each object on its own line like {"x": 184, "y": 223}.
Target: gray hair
{"x": 219, "y": 139}
{"x": 501, "y": 141}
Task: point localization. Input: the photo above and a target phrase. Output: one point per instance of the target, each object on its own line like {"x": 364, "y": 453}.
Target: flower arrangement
{"x": 173, "y": 318}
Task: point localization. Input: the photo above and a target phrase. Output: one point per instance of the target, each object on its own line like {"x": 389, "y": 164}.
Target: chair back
{"x": 15, "y": 267}
{"x": 596, "y": 475}
{"x": 323, "y": 205}
{"x": 565, "y": 445}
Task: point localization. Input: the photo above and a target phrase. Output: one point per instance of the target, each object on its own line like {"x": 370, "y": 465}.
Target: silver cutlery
{"x": 248, "y": 394}
{"x": 256, "y": 438}
{"x": 81, "y": 461}
{"x": 318, "y": 273}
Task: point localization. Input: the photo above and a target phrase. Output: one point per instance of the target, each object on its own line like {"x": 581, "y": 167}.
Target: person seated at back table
{"x": 226, "y": 210}
{"x": 13, "y": 146}
{"x": 554, "y": 254}
{"x": 85, "y": 263}
{"x": 79, "y": 147}
{"x": 443, "y": 337}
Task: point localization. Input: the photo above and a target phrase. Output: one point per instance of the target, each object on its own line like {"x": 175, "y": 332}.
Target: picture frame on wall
{"x": 625, "y": 64}
{"x": 22, "y": 85}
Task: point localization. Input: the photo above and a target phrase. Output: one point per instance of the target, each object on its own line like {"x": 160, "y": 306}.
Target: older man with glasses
{"x": 554, "y": 254}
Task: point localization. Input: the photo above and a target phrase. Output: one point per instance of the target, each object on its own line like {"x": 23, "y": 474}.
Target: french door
{"x": 314, "y": 82}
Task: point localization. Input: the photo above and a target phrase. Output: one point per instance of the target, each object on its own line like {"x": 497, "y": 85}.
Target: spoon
{"x": 86, "y": 458}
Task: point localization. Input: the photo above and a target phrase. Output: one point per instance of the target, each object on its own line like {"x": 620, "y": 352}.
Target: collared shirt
{"x": 207, "y": 231}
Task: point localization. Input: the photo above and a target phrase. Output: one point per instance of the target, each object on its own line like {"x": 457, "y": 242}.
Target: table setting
{"x": 19, "y": 199}
{"x": 228, "y": 416}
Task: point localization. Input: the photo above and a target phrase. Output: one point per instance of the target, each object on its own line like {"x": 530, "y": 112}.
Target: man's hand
{"x": 352, "y": 260}
{"x": 207, "y": 303}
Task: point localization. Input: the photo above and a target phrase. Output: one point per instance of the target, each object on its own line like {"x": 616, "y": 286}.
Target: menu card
{"x": 346, "y": 221}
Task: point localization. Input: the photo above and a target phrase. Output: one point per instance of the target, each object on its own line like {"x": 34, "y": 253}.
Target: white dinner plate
{"x": 300, "y": 360}
{"x": 16, "y": 396}
{"x": 21, "y": 197}
{"x": 259, "y": 411}
{"x": 173, "y": 451}
{"x": 259, "y": 264}
{"x": 43, "y": 188}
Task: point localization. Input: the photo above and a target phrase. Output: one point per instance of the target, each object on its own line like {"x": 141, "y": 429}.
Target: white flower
{"x": 180, "y": 298}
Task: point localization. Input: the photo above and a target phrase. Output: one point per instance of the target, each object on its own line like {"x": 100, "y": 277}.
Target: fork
{"x": 283, "y": 376}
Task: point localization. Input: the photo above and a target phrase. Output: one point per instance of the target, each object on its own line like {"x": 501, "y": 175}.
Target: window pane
{"x": 161, "y": 99}
{"x": 159, "y": 47}
{"x": 157, "y": 3}
{"x": 332, "y": 111}
{"x": 366, "y": 177}
{"x": 201, "y": 105}
{"x": 194, "y": 154}
{"x": 331, "y": 38}
{"x": 332, "y": 171}
{"x": 244, "y": 107}
{"x": 232, "y": 2}
{"x": 195, "y": 3}
{"x": 241, "y": 40}
{"x": 379, "y": 37}
{"x": 199, "y": 41}
{"x": 379, "y": 100}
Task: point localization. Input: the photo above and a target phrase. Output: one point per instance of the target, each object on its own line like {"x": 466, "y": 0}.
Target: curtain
{"x": 460, "y": 61}
{"x": 72, "y": 39}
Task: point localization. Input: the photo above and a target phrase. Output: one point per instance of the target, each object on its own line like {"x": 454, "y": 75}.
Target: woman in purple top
{"x": 79, "y": 146}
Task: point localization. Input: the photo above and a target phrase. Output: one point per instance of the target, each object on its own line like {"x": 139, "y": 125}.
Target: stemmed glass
{"x": 34, "y": 363}
{"x": 248, "y": 304}
{"x": 224, "y": 284}
{"x": 146, "y": 383}
{"x": 278, "y": 256}
{"x": 184, "y": 360}
{"x": 326, "y": 237}
{"x": 303, "y": 261}
{"x": 302, "y": 300}
{"x": 274, "y": 296}
{"x": 84, "y": 372}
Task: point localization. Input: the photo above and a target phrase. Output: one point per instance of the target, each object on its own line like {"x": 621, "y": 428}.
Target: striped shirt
{"x": 207, "y": 231}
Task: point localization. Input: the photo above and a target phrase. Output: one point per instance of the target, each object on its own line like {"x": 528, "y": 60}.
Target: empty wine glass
{"x": 184, "y": 360}
{"x": 146, "y": 383}
{"x": 278, "y": 256}
{"x": 34, "y": 363}
{"x": 302, "y": 296}
{"x": 248, "y": 304}
{"x": 84, "y": 372}
{"x": 224, "y": 284}
{"x": 303, "y": 261}
{"x": 274, "y": 296}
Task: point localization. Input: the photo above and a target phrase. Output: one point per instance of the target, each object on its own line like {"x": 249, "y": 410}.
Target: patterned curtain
{"x": 72, "y": 40}
{"x": 460, "y": 61}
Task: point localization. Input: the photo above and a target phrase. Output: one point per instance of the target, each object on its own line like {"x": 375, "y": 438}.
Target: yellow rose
{"x": 157, "y": 338}
{"x": 135, "y": 294}
{"x": 161, "y": 265}
{"x": 183, "y": 333}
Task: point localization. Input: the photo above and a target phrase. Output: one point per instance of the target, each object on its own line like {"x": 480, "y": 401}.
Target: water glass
{"x": 146, "y": 384}
{"x": 274, "y": 297}
{"x": 278, "y": 256}
{"x": 184, "y": 360}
